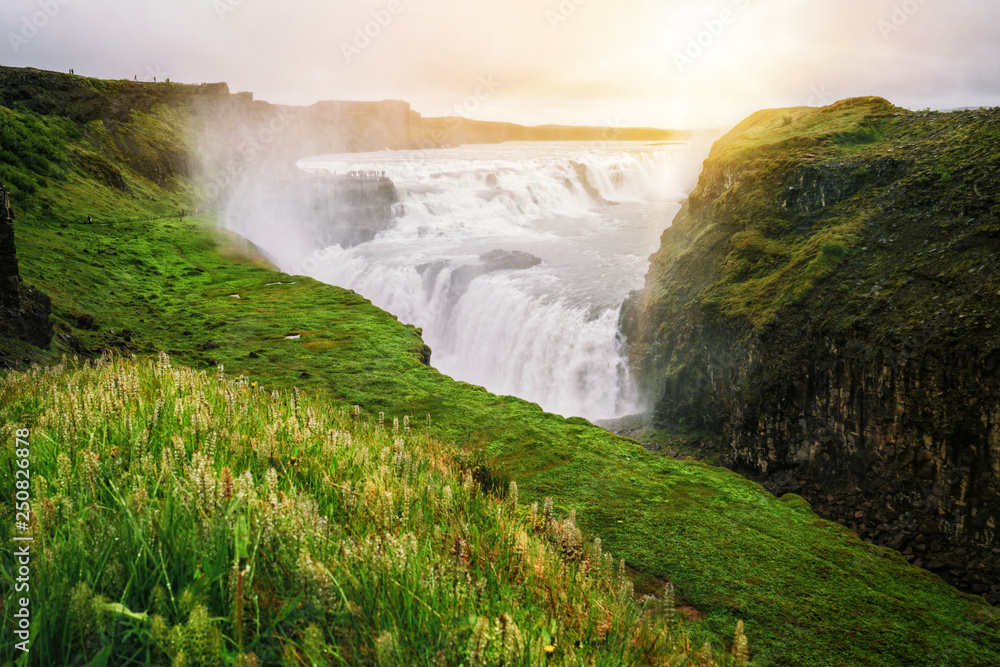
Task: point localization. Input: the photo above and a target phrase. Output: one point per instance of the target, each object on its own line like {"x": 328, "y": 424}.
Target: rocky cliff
{"x": 826, "y": 305}
{"x": 24, "y": 311}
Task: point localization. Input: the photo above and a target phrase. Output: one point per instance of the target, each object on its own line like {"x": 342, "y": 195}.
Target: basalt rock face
{"x": 827, "y": 305}
{"x": 10, "y": 279}
{"x": 24, "y": 311}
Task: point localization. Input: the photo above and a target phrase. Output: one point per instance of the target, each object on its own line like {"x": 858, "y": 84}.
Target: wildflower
{"x": 512, "y": 493}
{"x": 246, "y": 660}
{"x": 549, "y": 651}
{"x": 385, "y": 648}
{"x": 91, "y": 465}
{"x": 201, "y": 640}
{"x": 548, "y": 508}
{"x": 521, "y": 544}
{"x": 202, "y": 480}
{"x": 317, "y": 580}
{"x": 227, "y": 484}
{"x": 82, "y": 613}
{"x": 244, "y": 486}
{"x": 313, "y": 645}
{"x": 706, "y": 653}
{"x": 64, "y": 472}
{"x": 160, "y": 632}
{"x": 740, "y": 652}
{"x": 479, "y": 643}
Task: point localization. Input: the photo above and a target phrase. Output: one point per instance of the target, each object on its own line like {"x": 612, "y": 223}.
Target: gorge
{"x": 104, "y": 226}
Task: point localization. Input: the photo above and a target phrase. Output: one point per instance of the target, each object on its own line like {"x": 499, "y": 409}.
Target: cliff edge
{"x": 827, "y": 305}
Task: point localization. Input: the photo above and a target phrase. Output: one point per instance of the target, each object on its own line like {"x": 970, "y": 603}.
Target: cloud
{"x": 650, "y": 62}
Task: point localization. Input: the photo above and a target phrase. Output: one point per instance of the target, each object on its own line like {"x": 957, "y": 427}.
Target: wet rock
{"x": 505, "y": 260}
{"x": 581, "y": 175}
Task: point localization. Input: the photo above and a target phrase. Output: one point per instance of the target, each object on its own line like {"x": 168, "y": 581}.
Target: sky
{"x": 659, "y": 63}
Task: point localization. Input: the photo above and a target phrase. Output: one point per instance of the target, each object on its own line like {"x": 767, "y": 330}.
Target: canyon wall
{"x": 826, "y": 307}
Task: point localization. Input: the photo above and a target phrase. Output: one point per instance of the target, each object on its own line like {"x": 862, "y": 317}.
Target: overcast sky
{"x": 665, "y": 63}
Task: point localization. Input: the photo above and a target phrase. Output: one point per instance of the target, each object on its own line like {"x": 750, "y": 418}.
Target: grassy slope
{"x": 356, "y": 542}
{"x": 746, "y": 257}
{"x": 810, "y": 591}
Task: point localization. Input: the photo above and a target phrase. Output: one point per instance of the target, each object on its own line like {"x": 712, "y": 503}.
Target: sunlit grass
{"x": 187, "y": 518}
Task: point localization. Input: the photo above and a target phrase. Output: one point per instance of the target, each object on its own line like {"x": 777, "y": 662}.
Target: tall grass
{"x": 191, "y": 519}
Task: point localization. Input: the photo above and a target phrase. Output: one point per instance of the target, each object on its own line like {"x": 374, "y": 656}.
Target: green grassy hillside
{"x": 212, "y": 522}
{"x": 810, "y": 592}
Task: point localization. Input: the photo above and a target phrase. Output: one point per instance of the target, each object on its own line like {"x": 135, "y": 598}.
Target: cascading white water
{"x": 462, "y": 260}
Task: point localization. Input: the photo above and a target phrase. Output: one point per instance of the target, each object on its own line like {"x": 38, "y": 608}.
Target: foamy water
{"x": 548, "y": 333}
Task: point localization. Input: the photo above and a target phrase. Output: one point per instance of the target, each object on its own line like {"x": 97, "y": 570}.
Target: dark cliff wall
{"x": 24, "y": 311}
{"x": 10, "y": 279}
{"x": 827, "y": 305}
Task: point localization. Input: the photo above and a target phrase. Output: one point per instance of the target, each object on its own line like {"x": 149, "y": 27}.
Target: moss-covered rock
{"x": 827, "y": 303}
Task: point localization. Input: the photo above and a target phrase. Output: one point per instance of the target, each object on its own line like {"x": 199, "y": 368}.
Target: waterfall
{"x": 515, "y": 260}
